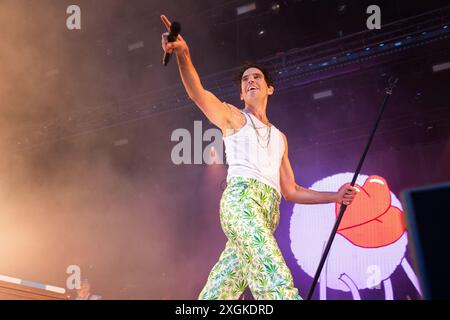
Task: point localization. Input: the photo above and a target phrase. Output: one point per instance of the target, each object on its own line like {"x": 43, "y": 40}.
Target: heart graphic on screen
{"x": 370, "y": 221}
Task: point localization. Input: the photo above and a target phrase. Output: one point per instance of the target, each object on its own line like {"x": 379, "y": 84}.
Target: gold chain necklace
{"x": 266, "y": 136}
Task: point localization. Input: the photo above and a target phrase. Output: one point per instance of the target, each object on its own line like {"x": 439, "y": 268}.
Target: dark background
{"x": 139, "y": 226}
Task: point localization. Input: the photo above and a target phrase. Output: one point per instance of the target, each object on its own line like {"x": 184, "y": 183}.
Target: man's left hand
{"x": 346, "y": 195}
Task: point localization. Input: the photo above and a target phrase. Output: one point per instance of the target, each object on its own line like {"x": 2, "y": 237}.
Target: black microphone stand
{"x": 392, "y": 82}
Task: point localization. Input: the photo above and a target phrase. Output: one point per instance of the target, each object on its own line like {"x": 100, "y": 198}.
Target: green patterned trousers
{"x": 249, "y": 215}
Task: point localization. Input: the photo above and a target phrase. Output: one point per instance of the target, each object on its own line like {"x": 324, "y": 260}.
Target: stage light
{"x": 136, "y": 45}
{"x": 246, "y": 8}
{"x": 120, "y": 142}
{"x": 52, "y": 72}
{"x": 322, "y": 94}
{"x": 381, "y": 45}
{"x": 275, "y": 7}
{"x": 261, "y": 32}
{"x": 398, "y": 43}
{"x": 445, "y": 27}
{"x": 441, "y": 66}
{"x": 342, "y": 8}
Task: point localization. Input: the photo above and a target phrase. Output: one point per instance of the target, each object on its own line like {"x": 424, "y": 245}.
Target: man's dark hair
{"x": 248, "y": 65}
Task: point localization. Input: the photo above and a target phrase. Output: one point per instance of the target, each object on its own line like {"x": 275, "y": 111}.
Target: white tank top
{"x": 251, "y": 156}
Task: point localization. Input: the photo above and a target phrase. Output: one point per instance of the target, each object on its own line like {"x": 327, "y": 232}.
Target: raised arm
{"x": 217, "y": 112}
{"x": 295, "y": 193}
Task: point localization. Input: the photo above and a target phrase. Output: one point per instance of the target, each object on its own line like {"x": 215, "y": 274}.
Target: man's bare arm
{"x": 216, "y": 111}
{"x": 291, "y": 191}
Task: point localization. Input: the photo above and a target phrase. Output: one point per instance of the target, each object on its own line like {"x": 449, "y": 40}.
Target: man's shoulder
{"x": 236, "y": 119}
{"x": 232, "y": 107}
{"x": 283, "y": 135}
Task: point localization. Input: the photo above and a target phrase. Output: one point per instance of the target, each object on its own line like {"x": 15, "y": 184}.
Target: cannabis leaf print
{"x": 249, "y": 215}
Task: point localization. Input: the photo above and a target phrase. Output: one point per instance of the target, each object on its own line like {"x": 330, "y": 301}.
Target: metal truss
{"x": 292, "y": 69}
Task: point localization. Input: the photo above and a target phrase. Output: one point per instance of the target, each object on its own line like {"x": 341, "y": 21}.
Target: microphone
{"x": 175, "y": 29}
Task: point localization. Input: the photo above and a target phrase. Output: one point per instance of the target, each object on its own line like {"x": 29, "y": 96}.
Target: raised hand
{"x": 178, "y": 46}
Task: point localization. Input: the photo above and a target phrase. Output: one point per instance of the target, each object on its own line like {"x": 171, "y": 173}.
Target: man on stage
{"x": 259, "y": 173}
